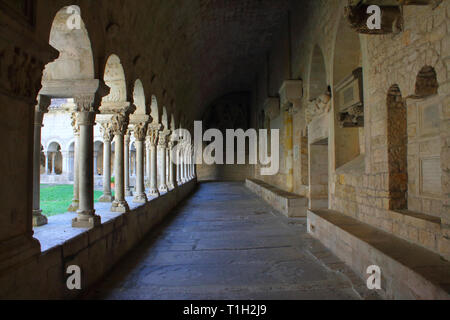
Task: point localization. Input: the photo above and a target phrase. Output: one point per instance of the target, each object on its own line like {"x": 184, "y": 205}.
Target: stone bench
{"x": 408, "y": 271}
{"x": 289, "y": 204}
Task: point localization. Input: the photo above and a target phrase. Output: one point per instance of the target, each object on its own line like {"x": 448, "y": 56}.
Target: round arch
{"x": 139, "y": 98}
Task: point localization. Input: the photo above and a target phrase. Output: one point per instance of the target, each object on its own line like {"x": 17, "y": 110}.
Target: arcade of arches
{"x": 97, "y": 89}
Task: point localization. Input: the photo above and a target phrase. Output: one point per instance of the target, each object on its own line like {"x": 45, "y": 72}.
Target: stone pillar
{"x": 162, "y": 145}
{"x": 184, "y": 168}
{"x": 86, "y": 119}
{"x": 38, "y": 218}
{"x": 172, "y": 182}
{"x": 96, "y": 163}
{"x": 179, "y": 180}
{"x": 53, "y": 163}
{"x": 140, "y": 131}
{"x": 76, "y": 174}
{"x": 65, "y": 163}
{"x": 128, "y": 192}
{"x": 148, "y": 161}
{"x": 47, "y": 155}
{"x": 152, "y": 138}
{"x": 119, "y": 127}
{"x": 107, "y": 137}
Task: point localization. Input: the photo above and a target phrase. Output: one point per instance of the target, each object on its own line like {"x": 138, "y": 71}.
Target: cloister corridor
{"x": 225, "y": 243}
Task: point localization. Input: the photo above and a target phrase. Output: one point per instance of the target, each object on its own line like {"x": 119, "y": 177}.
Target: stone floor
{"x": 225, "y": 243}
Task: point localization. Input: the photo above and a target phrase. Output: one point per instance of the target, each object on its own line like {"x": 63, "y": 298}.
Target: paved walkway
{"x": 224, "y": 243}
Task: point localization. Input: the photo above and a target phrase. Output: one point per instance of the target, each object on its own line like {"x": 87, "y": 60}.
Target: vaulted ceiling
{"x": 202, "y": 49}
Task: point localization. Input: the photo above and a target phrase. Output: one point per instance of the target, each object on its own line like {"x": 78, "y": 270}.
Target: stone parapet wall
{"x": 95, "y": 251}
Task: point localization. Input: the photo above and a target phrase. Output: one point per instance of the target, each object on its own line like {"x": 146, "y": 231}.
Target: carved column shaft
{"x": 162, "y": 145}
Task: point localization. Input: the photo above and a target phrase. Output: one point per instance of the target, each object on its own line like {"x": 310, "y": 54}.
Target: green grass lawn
{"x": 57, "y": 199}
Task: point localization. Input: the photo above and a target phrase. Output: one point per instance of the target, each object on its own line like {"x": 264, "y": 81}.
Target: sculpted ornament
{"x": 119, "y": 124}
{"x": 140, "y": 131}
{"x": 74, "y": 123}
{"x": 319, "y": 106}
{"x": 106, "y": 130}
{"x": 84, "y": 103}
{"x": 152, "y": 134}
{"x": 162, "y": 142}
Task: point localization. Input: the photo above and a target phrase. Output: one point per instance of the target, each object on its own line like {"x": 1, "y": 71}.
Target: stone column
{"x": 128, "y": 192}
{"x": 107, "y": 137}
{"x": 179, "y": 160}
{"x": 171, "y": 183}
{"x": 47, "y": 155}
{"x": 38, "y": 218}
{"x": 95, "y": 163}
{"x": 53, "y": 163}
{"x": 86, "y": 119}
{"x": 140, "y": 131}
{"x": 148, "y": 161}
{"x": 162, "y": 145}
{"x": 76, "y": 171}
{"x": 152, "y": 139}
{"x": 119, "y": 127}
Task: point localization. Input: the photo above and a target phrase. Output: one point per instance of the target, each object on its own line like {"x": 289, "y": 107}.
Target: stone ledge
{"x": 408, "y": 270}
{"x": 290, "y": 204}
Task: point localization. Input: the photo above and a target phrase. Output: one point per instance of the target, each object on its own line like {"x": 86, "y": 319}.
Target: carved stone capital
{"x": 153, "y": 134}
{"x": 106, "y": 130}
{"x": 119, "y": 124}
{"x": 163, "y": 138}
{"x": 140, "y": 131}
{"x": 84, "y": 103}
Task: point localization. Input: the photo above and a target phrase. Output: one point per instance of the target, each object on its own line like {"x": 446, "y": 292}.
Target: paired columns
{"x": 86, "y": 119}
{"x": 152, "y": 140}
{"x": 107, "y": 137}
{"x": 140, "y": 131}
{"x": 162, "y": 146}
{"x": 127, "y": 166}
{"x": 38, "y": 218}
{"x": 119, "y": 124}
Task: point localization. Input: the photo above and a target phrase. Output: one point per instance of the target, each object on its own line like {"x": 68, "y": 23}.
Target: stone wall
{"x": 372, "y": 185}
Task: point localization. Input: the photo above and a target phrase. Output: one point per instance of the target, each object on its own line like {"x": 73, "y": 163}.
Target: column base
{"x": 140, "y": 198}
{"x": 106, "y": 198}
{"x": 39, "y": 219}
{"x": 153, "y": 192}
{"x": 86, "y": 220}
{"x": 171, "y": 186}
{"x": 163, "y": 188}
{"x": 74, "y": 206}
{"x": 120, "y": 206}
